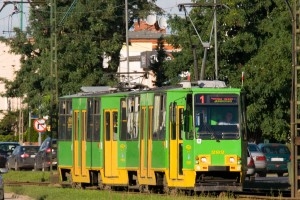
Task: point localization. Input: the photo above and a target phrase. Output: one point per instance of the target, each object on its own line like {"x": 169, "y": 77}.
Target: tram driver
{"x": 228, "y": 120}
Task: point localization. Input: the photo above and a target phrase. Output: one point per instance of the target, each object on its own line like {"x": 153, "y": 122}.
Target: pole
{"x": 216, "y": 40}
{"x": 21, "y": 17}
{"x": 127, "y": 43}
{"x": 196, "y": 73}
{"x": 29, "y": 124}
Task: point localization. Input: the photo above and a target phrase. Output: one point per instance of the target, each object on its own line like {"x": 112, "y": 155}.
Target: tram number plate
{"x": 276, "y": 159}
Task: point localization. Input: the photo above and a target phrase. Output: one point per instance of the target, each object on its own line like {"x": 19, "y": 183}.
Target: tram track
{"x": 25, "y": 183}
{"x": 249, "y": 193}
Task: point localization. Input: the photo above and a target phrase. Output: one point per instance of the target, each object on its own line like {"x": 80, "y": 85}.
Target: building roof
{"x": 144, "y": 34}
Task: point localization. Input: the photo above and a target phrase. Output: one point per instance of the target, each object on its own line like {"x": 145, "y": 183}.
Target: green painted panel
{"x": 146, "y": 99}
{"x": 65, "y": 153}
{"x": 132, "y": 154}
{"x": 218, "y": 149}
{"x": 79, "y": 104}
{"x": 159, "y": 154}
{"x": 94, "y": 155}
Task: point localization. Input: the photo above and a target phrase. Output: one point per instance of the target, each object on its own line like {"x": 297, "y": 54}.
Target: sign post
{"x": 40, "y": 126}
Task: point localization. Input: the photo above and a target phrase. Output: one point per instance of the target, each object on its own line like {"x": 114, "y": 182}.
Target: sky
{"x": 10, "y": 19}
{"x": 171, "y": 6}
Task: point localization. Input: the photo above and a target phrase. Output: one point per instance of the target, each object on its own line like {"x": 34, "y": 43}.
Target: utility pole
{"x": 294, "y": 178}
{"x": 53, "y": 73}
{"x": 216, "y": 39}
{"x": 127, "y": 42}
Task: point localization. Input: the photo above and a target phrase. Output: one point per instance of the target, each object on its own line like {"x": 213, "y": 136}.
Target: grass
{"x": 26, "y": 176}
{"x": 54, "y": 192}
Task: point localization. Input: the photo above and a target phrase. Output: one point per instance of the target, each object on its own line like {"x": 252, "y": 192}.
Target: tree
{"x": 253, "y": 37}
{"x": 86, "y": 34}
{"x": 9, "y": 124}
{"x": 157, "y": 64}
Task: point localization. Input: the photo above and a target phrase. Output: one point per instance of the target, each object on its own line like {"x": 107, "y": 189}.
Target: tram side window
{"x": 188, "y": 118}
{"x": 133, "y": 104}
{"x": 107, "y": 126}
{"x": 159, "y": 118}
{"x": 124, "y": 132}
{"x": 65, "y": 120}
{"x": 93, "y": 132}
{"x": 115, "y": 125}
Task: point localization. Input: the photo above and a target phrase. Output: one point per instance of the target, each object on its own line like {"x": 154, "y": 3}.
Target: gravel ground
{"x": 16, "y": 197}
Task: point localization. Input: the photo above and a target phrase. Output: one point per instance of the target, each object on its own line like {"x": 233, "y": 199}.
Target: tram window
{"x": 107, "y": 126}
{"x": 181, "y": 123}
{"x": 124, "y": 120}
{"x": 159, "y": 118}
{"x": 69, "y": 128}
{"x": 115, "y": 125}
{"x": 93, "y": 129}
{"x": 96, "y": 132}
{"x": 62, "y": 128}
{"x": 130, "y": 129}
{"x": 65, "y": 120}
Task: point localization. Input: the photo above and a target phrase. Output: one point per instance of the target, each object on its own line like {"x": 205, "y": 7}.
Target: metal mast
{"x": 295, "y": 100}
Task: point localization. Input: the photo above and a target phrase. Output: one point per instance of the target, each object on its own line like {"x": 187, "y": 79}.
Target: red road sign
{"x": 40, "y": 125}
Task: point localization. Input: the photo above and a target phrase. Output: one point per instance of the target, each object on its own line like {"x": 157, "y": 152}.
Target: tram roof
{"x": 90, "y": 91}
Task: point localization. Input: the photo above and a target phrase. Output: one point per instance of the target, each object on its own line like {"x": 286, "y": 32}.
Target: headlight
{"x": 203, "y": 159}
{"x": 231, "y": 159}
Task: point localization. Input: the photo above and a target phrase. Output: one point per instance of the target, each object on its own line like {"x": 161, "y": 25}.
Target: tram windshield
{"x": 216, "y": 121}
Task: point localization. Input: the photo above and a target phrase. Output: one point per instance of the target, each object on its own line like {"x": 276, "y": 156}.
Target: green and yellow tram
{"x": 165, "y": 139}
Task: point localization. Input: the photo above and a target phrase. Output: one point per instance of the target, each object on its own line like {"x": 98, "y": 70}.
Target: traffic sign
{"x": 40, "y": 125}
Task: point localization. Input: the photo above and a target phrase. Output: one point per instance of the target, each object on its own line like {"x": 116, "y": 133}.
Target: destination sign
{"x": 222, "y": 99}
{"x": 215, "y": 99}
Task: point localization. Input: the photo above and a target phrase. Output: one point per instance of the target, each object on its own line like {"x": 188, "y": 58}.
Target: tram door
{"x": 110, "y": 143}
{"x": 176, "y": 144}
{"x": 79, "y": 143}
{"x": 145, "y": 141}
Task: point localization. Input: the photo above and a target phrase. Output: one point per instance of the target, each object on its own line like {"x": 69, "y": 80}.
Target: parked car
{"x": 278, "y": 156}
{"x": 22, "y": 158}
{"x": 6, "y": 148}
{"x": 259, "y": 158}
{"x": 2, "y": 171}
{"x": 46, "y": 155}
{"x": 250, "y": 165}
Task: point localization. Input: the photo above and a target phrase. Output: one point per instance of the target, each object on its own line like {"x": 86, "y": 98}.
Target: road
{"x": 13, "y": 196}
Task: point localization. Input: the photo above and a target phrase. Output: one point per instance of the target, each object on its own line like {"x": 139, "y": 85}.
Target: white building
{"x": 10, "y": 64}
{"x": 142, "y": 45}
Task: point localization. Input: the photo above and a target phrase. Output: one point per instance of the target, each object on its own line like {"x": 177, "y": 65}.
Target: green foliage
{"x": 255, "y": 38}
{"x": 157, "y": 65}
{"x": 8, "y": 124}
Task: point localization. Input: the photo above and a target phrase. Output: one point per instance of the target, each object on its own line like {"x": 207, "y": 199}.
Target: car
{"x": 22, "y": 157}
{"x": 278, "y": 156}
{"x": 46, "y": 155}
{"x": 6, "y": 148}
{"x": 259, "y": 158}
{"x": 2, "y": 171}
{"x": 250, "y": 166}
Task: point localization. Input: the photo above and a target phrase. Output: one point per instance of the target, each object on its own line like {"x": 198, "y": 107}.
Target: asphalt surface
{"x": 13, "y": 196}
